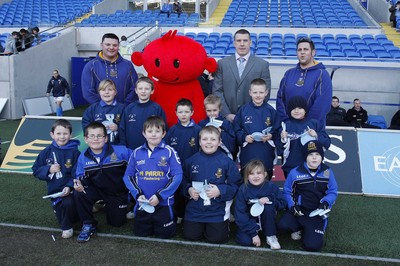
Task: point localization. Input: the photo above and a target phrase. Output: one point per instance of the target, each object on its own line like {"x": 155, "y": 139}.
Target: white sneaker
{"x": 296, "y": 235}
{"x": 67, "y": 233}
{"x": 130, "y": 215}
{"x": 273, "y": 242}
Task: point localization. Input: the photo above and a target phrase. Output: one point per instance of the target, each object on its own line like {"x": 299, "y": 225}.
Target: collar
{"x": 102, "y": 57}
{"x": 245, "y": 57}
{"x": 103, "y": 103}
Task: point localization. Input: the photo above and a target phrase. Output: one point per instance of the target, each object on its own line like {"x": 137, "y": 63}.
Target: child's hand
{"x": 153, "y": 201}
{"x": 113, "y": 127}
{"x": 256, "y": 241}
{"x": 213, "y": 192}
{"x": 54, "y": 168}
{"x": 78, "y": 185}
{"x": 194, "y": 194}
{"x": 312, "y": 133}
{"x": 284, "y": 134}
{"x": 263, "y": 200}
{"x": 266, "y": 137}
{"x": 66, "y": 191}
{"x": 141, "y": 197}
{"x": 249, "y": 139}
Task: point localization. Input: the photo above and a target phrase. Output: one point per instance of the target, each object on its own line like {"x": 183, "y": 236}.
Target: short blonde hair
{"x": 213, "y": 99}
{"x": 105, "y": 83}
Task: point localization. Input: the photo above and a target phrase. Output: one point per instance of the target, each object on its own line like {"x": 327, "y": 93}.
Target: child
{"x": 184, "y": 138}
{"x": 257, "y": 188}
{"x": 60, "y": 88}
{"x": 309, "y": 186}
{"x": 296, "y": 130}
{"x": 137, "y": 112}
{"x": 212, "y": 104}
{"x": 153, "y": 175}
{"x": 56, "y": 164}
{"x": 208, "y": 209}
{"x": 256, "y": 124}
{"x": 108, "y": 111}
{"x": 99, "y": 177}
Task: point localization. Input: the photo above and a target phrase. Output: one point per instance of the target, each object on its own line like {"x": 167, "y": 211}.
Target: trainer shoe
{"x": 67, "y": 233}
{"x": 179, "y": 220}
{"x": 273, "y": 242}
{"x": 296, "y": 235}
{"x": 87, "y": 231}
{"x": 130, "y": 215}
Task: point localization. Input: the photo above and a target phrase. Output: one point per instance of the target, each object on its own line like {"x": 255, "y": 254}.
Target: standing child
{"x": 60, "y": 88}
{"x": 256, "y": 125}
{"x": 153, "y": 175}
{"x": 211, "y": 180}
{"x": 212, "y": 104}
{"x": 309, "y": 186}
{"x": 184, "y": 138}
{"x": 99, "y": 177}
{"x": 259, "y": 191}
{"x": 108, "y": 111}
{"x": 136, "y": 113}
{"x": 296, "y": 131}
{"x": 56, "y": 165}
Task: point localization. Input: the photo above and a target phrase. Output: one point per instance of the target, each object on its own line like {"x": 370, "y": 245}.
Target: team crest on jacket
{"x": 268, "y": 121}
{"x": 192, "y": 142}
{"x": 68, "y": 164}
{"x": 132, "y": 118}
{"x": 248, "y": 119}
{"x": 218, "y": 174}
{"x": 113, "y": 157}
{"x": 49, "y": 161}
{"x": 195, "y": 169}
{"x": 118, "y": 118}
{"x": 174, "y": 141}
{"x": 98, "y": 117}
{"x": 163, "y": 161}
{"x": 326, "y": 173}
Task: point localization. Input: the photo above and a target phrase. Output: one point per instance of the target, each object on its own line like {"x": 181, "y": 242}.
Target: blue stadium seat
{"x": 377, "y": 120}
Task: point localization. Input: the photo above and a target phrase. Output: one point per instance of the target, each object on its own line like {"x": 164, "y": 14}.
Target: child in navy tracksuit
{"x": 184, "y": 138}
{"x": 211, "y": 180}
{"x": 308, "y": 187}
{"x": 298, "y": 128}
{"x": 108, "y": 111}
{"x": 153, "y": 175}
{"x": 99, "y": 177}
{"x": 257, "y": 117}
{"x": 136, "y": 113}
{"x": 257, "y": 190}
{"x": 212, "y": 104}
{"x": 56, "y": 164}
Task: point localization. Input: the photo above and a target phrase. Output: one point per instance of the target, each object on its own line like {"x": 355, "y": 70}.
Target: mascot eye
{"x": 157, "y": 62}
{"x": 176, "y": 63}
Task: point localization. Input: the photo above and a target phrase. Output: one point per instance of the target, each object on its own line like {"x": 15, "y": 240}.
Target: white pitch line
{"x": 5, "y": 142}
{"x": 182, "y": 242}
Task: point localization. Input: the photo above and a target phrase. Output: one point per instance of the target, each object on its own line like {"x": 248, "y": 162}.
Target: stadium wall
{"x": 379, "y": 10}
{"x": 110, "y": 6}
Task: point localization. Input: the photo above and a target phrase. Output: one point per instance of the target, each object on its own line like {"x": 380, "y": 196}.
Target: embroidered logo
{"x": 98, "y": 117}
{"x": 218, "y": 174}
{"x": 248, "y": 119}
{"x": 268, "y": 121}
{"x": 163, "y": 161}
{"x": 195, "y": 169}
{"x": 174, "y": 141}
{"x": 118, "y": 118}
{"x": 132, "y": 118}
{"x": 68, "y": 164}
{"x": 192, "y": 142}
{"x": 113, "y": 157}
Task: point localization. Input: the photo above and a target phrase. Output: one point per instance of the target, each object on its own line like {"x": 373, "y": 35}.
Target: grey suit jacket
{"x": 234, "y": 91}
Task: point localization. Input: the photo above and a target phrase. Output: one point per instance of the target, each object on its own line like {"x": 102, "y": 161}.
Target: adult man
{"x": 337, "y": 115}
{"x": 358, "y": 116}
{"x": 60, "y": 88}
{"x": 11, "y": 43}
{"x": 308, "y": 79}
{"x": 109, "y": 64}
{"x": 235, "y": 73}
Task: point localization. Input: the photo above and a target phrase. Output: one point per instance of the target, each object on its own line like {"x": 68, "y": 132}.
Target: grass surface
{"x": 358, "y": 225}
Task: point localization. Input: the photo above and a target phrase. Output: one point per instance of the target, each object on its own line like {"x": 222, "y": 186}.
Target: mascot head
{"x": 174, "y": 59}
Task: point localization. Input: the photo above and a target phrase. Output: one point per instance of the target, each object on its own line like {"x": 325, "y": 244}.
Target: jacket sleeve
{"x": 332, "y": 191}
{"x": 89, "y": 91}
{"x": 40, "y": 168}
{"x": 323, "y": 137}
{"x": 175, "y": 176}
{"x": 66, "y": 86}
{"x": 130, "y": 178}
{"x": 87, "y": 117}
{"x": 239, "y": 131}
{"x": 243, "y": 219}
{"x": 323, "y": 100}
{"x": 281, "y": 99}
{"x": 288, "y": 189}
{"x": 49, "y": 87}
{"x": 266, "y": 76}
{"x": 130, "y": 95}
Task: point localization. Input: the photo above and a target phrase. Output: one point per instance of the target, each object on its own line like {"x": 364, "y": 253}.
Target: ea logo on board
{"x": 388, "y": 164}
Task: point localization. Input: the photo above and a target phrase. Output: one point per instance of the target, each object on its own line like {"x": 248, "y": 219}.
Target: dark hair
{"x": 109, "y": 36}
{"x": 154, "y": 121}
{"x": 23, "y": 31}
{"x": 35, "y": 29}
{"x": 259, "y": 81}
{"x": 63, "y": 123}
{"x": 335, "y": 98}
{"x": 356, "y": 99}
{"x": 123, "y": 38}
{"x": 250, "y": 166}
{"x": 307, "y": 40}
{"x": 95, "y": 125}
{"x": 241, "y": 31}
{"x": 147, "y": 80}
{"x": 184, "y": 102}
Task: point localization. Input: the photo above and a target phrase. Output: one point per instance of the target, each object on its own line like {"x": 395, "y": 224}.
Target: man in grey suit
{"x": 235, "y": 73}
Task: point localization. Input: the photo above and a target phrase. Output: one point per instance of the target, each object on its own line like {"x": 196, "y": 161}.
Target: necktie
{"x": 241, "y": 65}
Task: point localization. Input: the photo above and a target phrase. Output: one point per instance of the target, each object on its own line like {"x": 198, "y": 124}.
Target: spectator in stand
{"x": 35, "y": 34}
{"x": 166, "y": 7}
{"x": 177, "y": 7}
{"x": 11, "y": 44}
{"x": 395, "y": 123}
{"x": 358, "y": 116}
{"x": 125, "y": 48}
{"x": 26, "y": 39}
{"x": 337, "y": 115}
{"x": 394, "y": 13}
